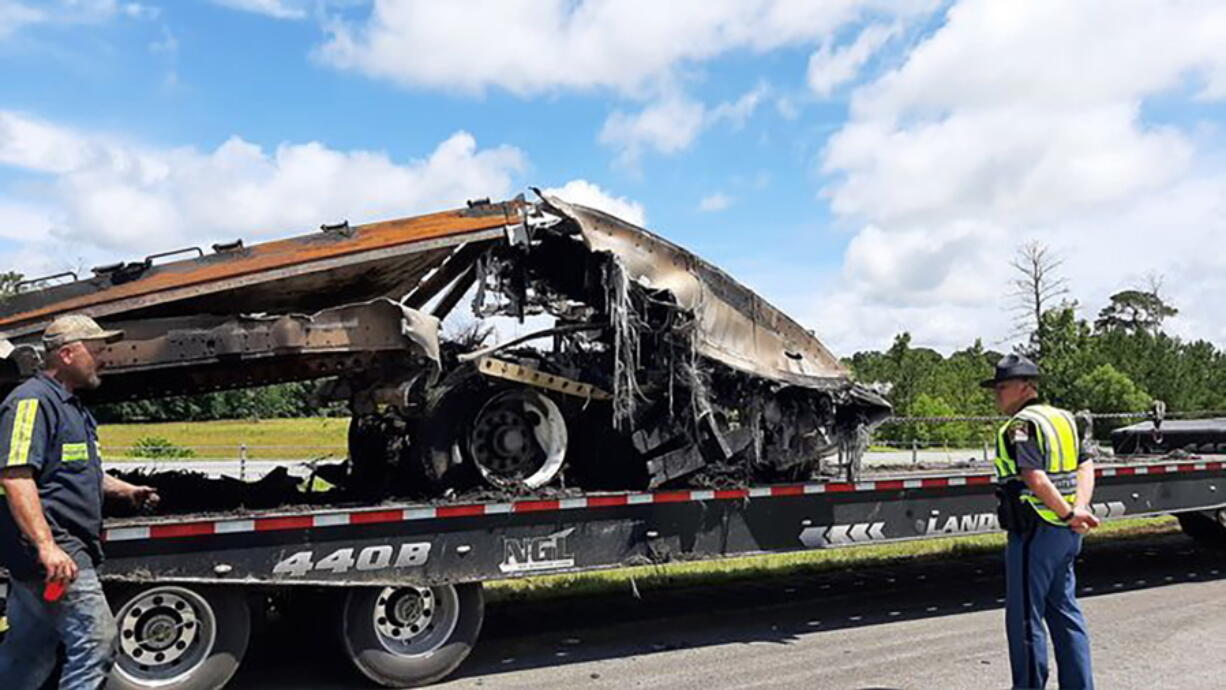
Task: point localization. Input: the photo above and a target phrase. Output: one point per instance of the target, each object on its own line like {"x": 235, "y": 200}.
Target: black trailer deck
{"x": 397, "y": 544}
{"x": 402, "y": 581}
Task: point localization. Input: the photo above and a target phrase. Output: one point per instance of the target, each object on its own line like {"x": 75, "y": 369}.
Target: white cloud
{"x": 137, "y": 10}
{"x": 1018, "y": 121}
{"x": 14, "y": 15}
{"x": 738, "y": 111}
{"x": 1011, "y": 160}
{"x": 672, "y": 123}
{"x": 830, "y": 68}
{"x": 278, "y": 9}
{"x": 587, "y": 194}
{"x": 39, "y": 146}
{"x": 101, "y": 196}
{"x": 715, "y": 202}
{"x": 94, "y": 11}
{"x": 532, "y": 46}
{"x": 787, "y": 107}
{"x": 20, "y": 222}
{"x": 168, "y": 44}
{"x": 668, "y": 126}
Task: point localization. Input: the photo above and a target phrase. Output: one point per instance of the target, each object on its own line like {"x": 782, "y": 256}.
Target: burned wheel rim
{"x": 518, "y": 438}
{"x": 165, "y": 635}
{"x": 415, "y": 621}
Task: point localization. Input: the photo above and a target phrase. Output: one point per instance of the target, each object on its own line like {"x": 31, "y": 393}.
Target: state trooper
{"x": 1044, "y": 484}
{"x": 51, "y": 516}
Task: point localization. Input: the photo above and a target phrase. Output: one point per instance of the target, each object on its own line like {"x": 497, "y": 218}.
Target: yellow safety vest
{"x": 1058, "y": 441}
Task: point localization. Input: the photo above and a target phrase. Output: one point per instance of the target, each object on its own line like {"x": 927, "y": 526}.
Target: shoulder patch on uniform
{"x": 1019, "y": 432}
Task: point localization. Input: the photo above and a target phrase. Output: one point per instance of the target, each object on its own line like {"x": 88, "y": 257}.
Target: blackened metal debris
{"x": 656, "y": 368}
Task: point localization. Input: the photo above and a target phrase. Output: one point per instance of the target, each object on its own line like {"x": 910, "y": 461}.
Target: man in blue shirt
{"x": 51, "y": 516}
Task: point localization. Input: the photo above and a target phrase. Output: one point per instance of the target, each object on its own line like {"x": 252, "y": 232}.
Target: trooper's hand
{"x": 145, "y": 497}
{"x": 59, "y": 565}
{"x": 1083, "y": 521}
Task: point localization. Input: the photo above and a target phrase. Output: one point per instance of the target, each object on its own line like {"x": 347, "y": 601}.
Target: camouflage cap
{"x": 73, "y": 327}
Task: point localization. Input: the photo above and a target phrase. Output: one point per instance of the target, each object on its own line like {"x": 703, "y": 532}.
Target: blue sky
{"x": 869, "y": 166}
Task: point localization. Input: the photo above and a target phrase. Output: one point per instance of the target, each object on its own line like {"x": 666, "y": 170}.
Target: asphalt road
{"x": 1155, "y": 608}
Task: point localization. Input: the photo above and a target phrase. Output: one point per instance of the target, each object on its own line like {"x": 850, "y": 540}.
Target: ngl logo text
{"x": 537, "y": 553}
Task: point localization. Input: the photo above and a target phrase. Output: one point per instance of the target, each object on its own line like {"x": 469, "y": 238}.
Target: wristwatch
{"x": 1069, "y": 515}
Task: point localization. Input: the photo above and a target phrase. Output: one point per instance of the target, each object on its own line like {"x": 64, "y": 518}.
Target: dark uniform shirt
{"x": 48, "y": 429}
{"x": 1022, "y": 440}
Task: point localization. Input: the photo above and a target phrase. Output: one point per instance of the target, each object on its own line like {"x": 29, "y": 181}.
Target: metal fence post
{"x": 242, "y": 462}
{"x": 914, "y": 452}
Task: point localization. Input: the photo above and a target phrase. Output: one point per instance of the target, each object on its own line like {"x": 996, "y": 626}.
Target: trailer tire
{"x": 411, "y": 636}
{"x": 1205, "y": 526}
{"x": 220, "y": 617}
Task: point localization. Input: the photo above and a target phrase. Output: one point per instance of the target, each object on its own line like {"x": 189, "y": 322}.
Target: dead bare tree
{"x": 1037, "y": 286}
{"x": 1153, "y": 283}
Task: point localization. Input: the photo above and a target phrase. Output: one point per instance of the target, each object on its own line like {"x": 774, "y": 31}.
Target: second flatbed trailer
{"x": 408, "y": 576}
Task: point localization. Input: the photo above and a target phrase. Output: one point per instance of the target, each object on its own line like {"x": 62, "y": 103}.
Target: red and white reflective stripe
{"x": 386, "y": 515}
{"x": 1168, "y": 468}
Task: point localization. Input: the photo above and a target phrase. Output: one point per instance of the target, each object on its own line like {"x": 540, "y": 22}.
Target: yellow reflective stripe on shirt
{"x": 1047, "y": 438}
{"x": 1005, "y": 466}
{"x": 75, "y": 452}
{"x": 1066, "y": 435}
{"x": 1069, "y": 425}
{"x": 1066, "y": 429}
{"x": 1059, "y": 431}
{"x": 23, "y": 432}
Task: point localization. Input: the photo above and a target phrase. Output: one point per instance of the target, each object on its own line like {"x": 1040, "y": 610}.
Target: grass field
{"x": 694, "y": 573}
{"x": 270, "y": 438}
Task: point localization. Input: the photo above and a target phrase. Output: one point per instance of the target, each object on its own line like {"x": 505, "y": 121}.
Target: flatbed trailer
{"x": 405, "y": 578}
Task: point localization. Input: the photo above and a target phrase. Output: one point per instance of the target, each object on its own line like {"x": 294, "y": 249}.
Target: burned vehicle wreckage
{"x": 651, "y": 368}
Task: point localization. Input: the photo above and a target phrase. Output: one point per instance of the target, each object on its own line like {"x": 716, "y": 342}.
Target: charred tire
{"x": 1207, "y": 527}
{"x": 174, "y": 637}
{"x": 411, "y": 636}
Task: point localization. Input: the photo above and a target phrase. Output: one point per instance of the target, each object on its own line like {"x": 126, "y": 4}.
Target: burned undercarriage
{"x": 649, "y": 368}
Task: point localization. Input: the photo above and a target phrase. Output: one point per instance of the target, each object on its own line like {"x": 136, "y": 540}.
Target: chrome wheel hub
{"x": 412, "y": 621}
{"x": 164, "y": 634}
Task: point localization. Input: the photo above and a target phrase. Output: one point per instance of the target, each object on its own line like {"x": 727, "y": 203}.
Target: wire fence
{"x": 1147, "y": 414}
{"x": 954, "y": 434}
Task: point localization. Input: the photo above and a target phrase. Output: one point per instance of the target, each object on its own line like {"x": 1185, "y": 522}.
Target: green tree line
{"x": 264, "y": 402}
{"x": 1121, "y": 362}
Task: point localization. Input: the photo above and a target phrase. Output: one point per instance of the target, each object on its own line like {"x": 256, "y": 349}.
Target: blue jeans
{"x": 81, "y": 619}
{"x": 1041, "y": 588}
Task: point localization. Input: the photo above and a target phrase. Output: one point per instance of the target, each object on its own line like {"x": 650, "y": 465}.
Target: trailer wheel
{"x": 179, "y": 638}
{"x": 411, "y": 636}
{"x": 1207, "y": 527}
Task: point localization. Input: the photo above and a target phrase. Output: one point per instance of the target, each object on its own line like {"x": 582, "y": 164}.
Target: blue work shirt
{"x": 46, "y": 428}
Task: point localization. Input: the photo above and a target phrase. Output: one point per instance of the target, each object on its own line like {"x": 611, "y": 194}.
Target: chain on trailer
{"x": 1157, "y": 414}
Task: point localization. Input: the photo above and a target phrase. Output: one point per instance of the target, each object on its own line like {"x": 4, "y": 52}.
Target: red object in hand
{"x": 54, "y": 591}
